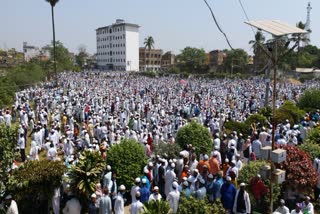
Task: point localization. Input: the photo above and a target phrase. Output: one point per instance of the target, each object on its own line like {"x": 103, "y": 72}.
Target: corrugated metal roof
{"x": 276, "y": 28}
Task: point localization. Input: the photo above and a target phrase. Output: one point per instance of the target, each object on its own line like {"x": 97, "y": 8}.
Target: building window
{"x": 124, "y": 36}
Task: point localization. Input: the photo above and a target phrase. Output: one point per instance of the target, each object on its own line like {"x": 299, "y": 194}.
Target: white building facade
{"x": 118, "y": 46}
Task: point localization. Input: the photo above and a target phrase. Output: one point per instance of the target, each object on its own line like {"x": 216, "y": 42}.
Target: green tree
{"x": 128, "y": 158}
{"x": 300, "y": 38}
{"x": 236, "y": 60}
{"x": 82, "y": 56}
{"x": 63, "y": 58}
{"x": 25, "y": 75}
{"x": 33, "y": 184}
{"x": 257, "y": 119}
{"x": 53, "y": 4}
{"x": 8, "y": 143}
{"x": 289, "y": 111}
{"x": 259, "y": 55}
{"x": 310, "y": 100}
{"x": 86, "y": 173}
{"x": 192, "y": 59}
{"x": 197, "y": 135}
{"x": 7, "y": 91}
{"x": 148, "y": 44}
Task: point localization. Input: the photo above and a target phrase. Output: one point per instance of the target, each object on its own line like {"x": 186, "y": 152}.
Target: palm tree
{"x": 148, "y": 44}
{"x": 258, "y": 40}
{"x": 84, "y": 176}
{"x": 300, "y": 38}
{"x": 53, "y": 4}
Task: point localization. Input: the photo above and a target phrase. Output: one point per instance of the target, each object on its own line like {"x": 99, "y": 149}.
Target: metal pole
{"x": 274, "y": 96}
{"x": 266, "y": 101}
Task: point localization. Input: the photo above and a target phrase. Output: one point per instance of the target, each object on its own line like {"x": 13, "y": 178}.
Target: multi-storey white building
{"x": 118, "y": 46}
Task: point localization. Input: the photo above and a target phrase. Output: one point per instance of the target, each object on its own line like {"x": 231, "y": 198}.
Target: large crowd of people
{"x": 94, "y": 111}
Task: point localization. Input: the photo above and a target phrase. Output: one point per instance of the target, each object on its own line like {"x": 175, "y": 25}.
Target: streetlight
{"x": 277, "y": 29}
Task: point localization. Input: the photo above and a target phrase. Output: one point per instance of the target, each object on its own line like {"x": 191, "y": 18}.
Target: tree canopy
{"x": 192, "y": 58}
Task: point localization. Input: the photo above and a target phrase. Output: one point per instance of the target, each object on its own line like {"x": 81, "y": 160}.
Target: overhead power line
{"x": 217, "y": 24}
{"x": 246, "y": 15}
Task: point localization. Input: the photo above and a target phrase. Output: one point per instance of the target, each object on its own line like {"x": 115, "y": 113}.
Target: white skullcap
{"x": 144, "y": 181}
{"x": 137, "y": 180}
{"x": 122, "y": 187}
{"x": 156, "y": 188}
{"x": 173, "y": 165}
{"x": 150, "y": 164}
{"x": 242, "y": 185}
{"x": 185, "y": 183}
{"x": 175, "y": 185}
{"x": 93, "y": 195}
{"x": 228, "y": 178}
{"x": 108, "y": 167}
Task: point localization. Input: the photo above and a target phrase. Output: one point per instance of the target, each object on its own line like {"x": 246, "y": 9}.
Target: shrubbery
{"x": 33, "y": 184}
{"x": 299, "y": 170}
{"x": 170, "y": 150}
{"x": 158, "y": 207}
{"x": 128, "y": 158}
{"x": 310, "y": 100}
{"x": 86, "y": 173}
{"x": 197, "y": 135}
{"x": 195, "y": 206}
{"x": 243, "y": 128}
{"x": 312, "y": 149}
{"x": 289, "y": 111}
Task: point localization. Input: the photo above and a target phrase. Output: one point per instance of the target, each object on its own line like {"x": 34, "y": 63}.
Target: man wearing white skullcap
{"x": 170, "y": 175}
{"x": 173, "y": 197}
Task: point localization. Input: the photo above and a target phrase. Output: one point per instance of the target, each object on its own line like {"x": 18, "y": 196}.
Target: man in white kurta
{"x": 173, "y": 198}
{"x": 169, "y": 178}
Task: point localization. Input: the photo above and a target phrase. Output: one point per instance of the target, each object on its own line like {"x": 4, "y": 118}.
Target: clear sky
{"x": 174, "y": 24}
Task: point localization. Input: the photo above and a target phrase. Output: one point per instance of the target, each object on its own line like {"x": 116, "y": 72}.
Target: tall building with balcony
{"x": 118, "y": 46}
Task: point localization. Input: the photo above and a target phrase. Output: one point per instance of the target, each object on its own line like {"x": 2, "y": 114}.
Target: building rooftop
{"x": 119, "y": 22}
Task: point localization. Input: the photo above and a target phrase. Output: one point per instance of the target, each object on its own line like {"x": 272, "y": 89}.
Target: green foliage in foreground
{"x": 128, "y": 158}
{"x": 8, "y": 142}
{"x": 159, "y": 207}
{"x": 34, "y": 182}
{"x": 193, "y": 205}
{"x": 84, "y": 176}
{"x": 195, "y": 134}
{"x": 310, "y": 100}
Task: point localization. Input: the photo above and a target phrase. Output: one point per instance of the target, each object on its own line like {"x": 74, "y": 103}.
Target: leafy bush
{"x": 171, "y": 150}
{"x": 289, "y": 111}
{"x": 266, "y": 111}
{"x": 8, "y": 143}
{"x": 312, "y": 149}
{"x": 250, "y": 170}
{"x": 243, "y": 128}
{"x": 159, "y": 207}
{"x": 34, "y": 182}
{"x": 195, "y": 134}
{"x": 193, "y": 205}
{"x": 299, "y": 170}
{"x": 310, "y": 100}
{"x": 86, "y": 173}
{"x": 257, "y": 119}
{"x": 314, "y": 136}
{"x": 128, "y": 158}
